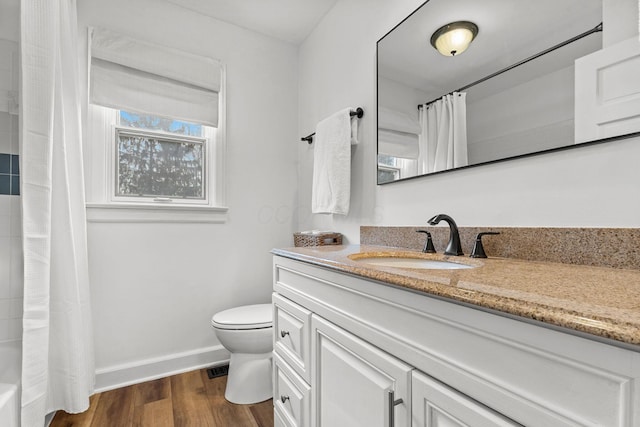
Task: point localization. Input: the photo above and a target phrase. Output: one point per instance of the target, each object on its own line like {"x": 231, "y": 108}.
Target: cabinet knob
{"x": 284, "y": 398}
{"x": 284, "y": 333}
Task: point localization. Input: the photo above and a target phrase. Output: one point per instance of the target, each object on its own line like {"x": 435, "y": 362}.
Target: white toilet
{"x": 246, "y": 332}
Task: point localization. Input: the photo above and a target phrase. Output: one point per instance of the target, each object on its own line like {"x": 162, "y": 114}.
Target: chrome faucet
{"x": 453, "y": 247}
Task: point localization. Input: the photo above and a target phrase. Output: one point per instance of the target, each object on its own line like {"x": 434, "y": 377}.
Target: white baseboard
{"x": 150, "y": 369}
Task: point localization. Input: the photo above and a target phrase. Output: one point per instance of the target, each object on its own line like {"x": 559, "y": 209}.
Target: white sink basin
{"x": 410, "y": 262}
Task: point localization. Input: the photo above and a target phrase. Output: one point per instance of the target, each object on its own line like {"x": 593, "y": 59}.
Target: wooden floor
{"x": 189, "y": 399}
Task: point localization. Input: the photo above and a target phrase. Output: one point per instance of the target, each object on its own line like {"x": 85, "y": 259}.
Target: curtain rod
{"x": 359, "y": 113}
{"x": 595, "y": 29}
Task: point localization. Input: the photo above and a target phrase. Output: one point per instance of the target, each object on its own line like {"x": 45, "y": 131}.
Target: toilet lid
{"x": 245, "y": 317}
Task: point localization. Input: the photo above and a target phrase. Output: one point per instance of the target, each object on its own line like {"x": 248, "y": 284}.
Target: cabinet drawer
{"x": 291, "y": 394}
{"x": 279, "y": 420}
{"x": 292, "y": 334}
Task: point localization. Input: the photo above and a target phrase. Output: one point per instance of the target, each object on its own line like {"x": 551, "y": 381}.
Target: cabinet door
{"x": 436, "y": 405}
{"x": 355, "y": 383}
{"x": 607, "y": 95}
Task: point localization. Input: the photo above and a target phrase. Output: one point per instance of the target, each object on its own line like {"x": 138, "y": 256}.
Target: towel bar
{"x": 358, "y": 113}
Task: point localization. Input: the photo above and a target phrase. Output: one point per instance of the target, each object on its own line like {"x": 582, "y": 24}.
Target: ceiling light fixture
{"x": 454, "y": 38}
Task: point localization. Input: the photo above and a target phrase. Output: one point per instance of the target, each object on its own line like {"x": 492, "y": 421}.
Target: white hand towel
{"x": 332, "y": 164}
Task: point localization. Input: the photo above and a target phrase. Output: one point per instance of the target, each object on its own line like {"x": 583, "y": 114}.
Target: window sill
{"x": 104, "y": 212}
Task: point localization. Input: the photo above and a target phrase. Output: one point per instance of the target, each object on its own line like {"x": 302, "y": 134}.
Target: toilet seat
{"x": 257, "y": 316}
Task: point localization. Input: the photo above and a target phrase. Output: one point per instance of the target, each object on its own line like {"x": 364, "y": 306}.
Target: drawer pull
{"x": 284, "y": 333}
{"x": 284, "y": 398}
{"x": 393, "y": 402}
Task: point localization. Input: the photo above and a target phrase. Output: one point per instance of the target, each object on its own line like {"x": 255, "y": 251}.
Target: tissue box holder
{"x": 322, "y": 239}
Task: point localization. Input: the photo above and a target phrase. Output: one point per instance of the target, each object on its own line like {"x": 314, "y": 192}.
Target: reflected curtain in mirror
{"x": 443, "y": 136}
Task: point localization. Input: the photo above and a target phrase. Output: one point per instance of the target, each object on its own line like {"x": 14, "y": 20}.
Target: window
{"x": 159, "y": 159}
{"x": 392, "y": 168}
{"x": 146, "y": 168}
{"x": 155, "y": 140}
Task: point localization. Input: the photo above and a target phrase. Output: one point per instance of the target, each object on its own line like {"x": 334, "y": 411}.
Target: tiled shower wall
{"x": 11, "y": 283}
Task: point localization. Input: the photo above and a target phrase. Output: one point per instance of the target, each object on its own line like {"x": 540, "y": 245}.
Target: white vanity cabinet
{"x": 359, "y": 340}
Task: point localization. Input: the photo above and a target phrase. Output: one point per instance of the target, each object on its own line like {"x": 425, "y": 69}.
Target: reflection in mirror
{"x": 511, "y": 93}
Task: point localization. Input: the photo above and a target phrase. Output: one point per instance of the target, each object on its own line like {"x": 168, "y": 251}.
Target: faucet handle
{"x": 428, "y": 245}
{"x": 478, "y": 249}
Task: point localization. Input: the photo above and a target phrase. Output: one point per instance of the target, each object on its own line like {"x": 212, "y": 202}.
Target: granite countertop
{"x": 599, "y": 301}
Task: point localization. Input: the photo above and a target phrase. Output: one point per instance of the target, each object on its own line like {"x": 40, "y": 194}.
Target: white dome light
{"x": 454, "y": 38}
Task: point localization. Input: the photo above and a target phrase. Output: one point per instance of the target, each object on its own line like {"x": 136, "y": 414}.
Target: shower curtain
{"x": 443, "y": 138}
{"x": 57, "y": 361}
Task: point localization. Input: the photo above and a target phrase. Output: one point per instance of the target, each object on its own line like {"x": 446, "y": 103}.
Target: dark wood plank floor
{"x": 189, "y": 399}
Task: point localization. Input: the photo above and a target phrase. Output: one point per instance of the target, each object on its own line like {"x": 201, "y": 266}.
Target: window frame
{"x": 100, "y": 180}
{"x": 386, "y": 168}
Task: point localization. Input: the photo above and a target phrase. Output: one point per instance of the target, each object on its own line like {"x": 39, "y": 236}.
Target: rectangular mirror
{"x": 512, "y": 93}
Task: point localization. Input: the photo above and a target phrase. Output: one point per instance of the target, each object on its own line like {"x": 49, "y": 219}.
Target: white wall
{"x": 155, "y": 286}
{"x": 10, "y": 20}
{"x": 593, "y": 186}
{"x": 625, "y": 15}
{"x": 400, "y": 97}
{"x": 11, "y": 283}
{"x": 498, "y": 127}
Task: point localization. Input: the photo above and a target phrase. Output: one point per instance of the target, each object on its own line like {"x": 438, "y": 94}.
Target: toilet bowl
{"x": 246, "y": 332}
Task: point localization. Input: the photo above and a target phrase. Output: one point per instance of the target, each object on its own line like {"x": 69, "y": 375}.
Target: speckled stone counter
{"x": 598, "y": 301}
{"x": 598, "y": 247}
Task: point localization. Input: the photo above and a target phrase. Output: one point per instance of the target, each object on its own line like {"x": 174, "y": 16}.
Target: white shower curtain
{"x": 443, "y": 139}
{"x": 57, "y": 361}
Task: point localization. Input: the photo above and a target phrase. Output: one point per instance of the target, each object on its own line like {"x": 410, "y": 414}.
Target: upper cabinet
{"x": 609, "y": 103}
{"x": 537, "y": 77}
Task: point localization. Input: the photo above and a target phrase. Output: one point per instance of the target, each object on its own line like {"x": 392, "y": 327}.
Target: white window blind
{"x": 135, "y": 75}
